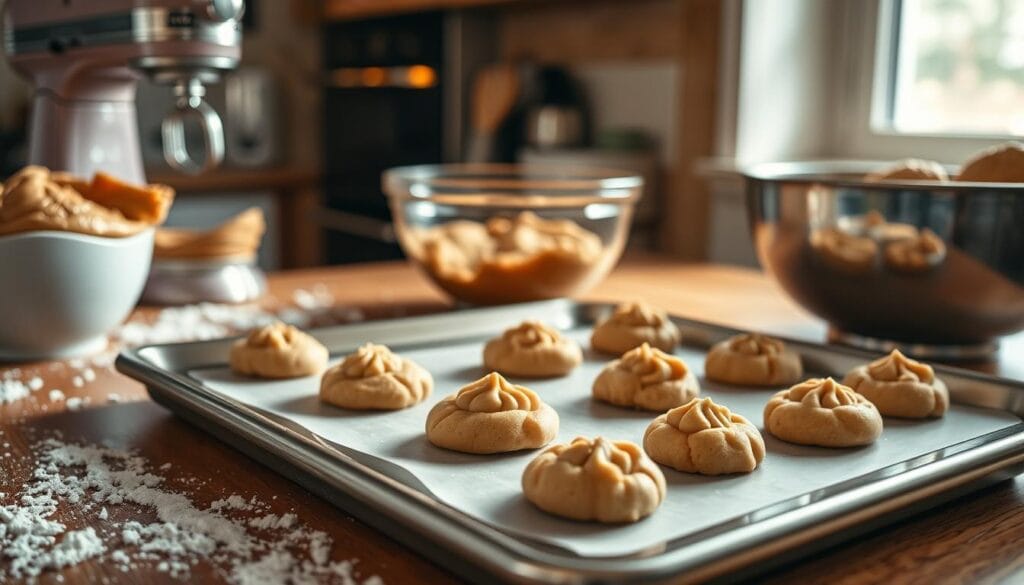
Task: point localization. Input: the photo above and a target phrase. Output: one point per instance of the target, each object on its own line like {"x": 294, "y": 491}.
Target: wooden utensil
{"x": 495, "y": 93}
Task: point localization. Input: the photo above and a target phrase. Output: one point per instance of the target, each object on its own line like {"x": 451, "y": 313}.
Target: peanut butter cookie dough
{"x": 508, "y": 259}
{"x": 492, "y": 415}
{"x": 646, "y": 378}
{"x": 999, "y": 164}
{"x": 845, "y": 252}
{"x": 631, "y": 325}
{"x": 374, "y": 378}
{"x": 900, "y": 386}
{"x": 238, "y": 237}
{"x": 278, "y": 351}
{"x": 752, "y": 359}
{"x": 703, "y": 437}
{"x": 33, "y": 200}
{"x": 602, "y": 480}
{"x": 822, "y": 412}
{"x": 913, "y": 169}
{"x": 532, "y": 350}
{"x": 916, "y": 254}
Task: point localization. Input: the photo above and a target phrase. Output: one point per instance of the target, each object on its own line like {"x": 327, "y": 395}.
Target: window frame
{"x": 866, "y": 78}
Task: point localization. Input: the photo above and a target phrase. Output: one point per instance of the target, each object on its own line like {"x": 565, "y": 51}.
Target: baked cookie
{"x": 845, "y": 252}
{"x": 913, "y": 169}
{"x": 607, "y": 481}
{"x": 752, "y": 359}
{"x": 632, "y": 324}
{"x": 703, "y": 437}
{"x": 277, "y": 351}
{"x": 492, "y": 415}
{"x": 822, "y": 412}
{"x": 373, "y": 378}
{"x": 916, "y": 254}
{"x": 900, "y": 386}
{"x": 532, "y": 350}
{"x": 647, "y": 378}
{"x": 999, "y": 164}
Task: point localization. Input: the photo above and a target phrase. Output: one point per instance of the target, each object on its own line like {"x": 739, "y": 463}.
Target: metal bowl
{"x": 818, "y": 231}
{"x": 184, "y": 282}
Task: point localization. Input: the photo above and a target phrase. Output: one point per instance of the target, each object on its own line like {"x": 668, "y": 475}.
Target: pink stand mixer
{"x": 85, "y": 58}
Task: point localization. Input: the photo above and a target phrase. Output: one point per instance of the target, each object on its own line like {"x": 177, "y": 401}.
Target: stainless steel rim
{"x": 985, "y": 351}
{"x": 446, "y": 534}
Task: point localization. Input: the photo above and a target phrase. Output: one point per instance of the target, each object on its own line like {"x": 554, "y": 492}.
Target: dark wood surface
{"x": 973, "y": 539}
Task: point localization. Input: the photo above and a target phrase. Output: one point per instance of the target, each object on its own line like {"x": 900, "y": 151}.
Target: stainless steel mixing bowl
{"x": 819, "y": 231}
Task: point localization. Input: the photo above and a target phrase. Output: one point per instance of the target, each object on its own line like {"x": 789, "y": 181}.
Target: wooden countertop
{"x": 975, "y": 538}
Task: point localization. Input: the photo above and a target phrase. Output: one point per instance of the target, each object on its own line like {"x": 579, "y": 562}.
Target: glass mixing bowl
{"x": 499, "y": 233}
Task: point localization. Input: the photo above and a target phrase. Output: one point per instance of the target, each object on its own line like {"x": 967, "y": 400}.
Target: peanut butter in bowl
{"x": 238, "y": 238}
{"x": 35, "y": 199}
{"x": 76, "y": 256}
{"x": 508, "y": 259}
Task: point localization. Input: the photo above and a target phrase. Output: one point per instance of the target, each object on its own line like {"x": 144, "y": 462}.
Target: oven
{"x": 384, "y": 99}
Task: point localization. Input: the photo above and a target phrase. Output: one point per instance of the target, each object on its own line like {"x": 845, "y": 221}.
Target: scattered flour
{"x": 56, "y": 395}
{"x": 75, "y": 403}
{"x": 193, "y": 322}
{"x": 12, "y": 390}
{"x": 35, "y": 383}
{"x": 90, "y": 477}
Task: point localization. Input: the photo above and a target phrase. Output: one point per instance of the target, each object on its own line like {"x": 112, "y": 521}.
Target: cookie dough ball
{"x": 752, "y": 359}
{"x": 874, "y": 224}
{"x": 913, "y": 169}
{"x": 278, "y": 351}
{"x": 916, "y": 254}
{"x": 492, "y": 415}
{"x": 822, "y": 412}
{"x": 999, "y": 164}
{"x": 646, "y": 378}
{"x": 532, "y": 350}
{"x": 900, "y": 386}
{"x": 607, "y": 481}
{"x": 845, "y": 252}
{"x": 703, "y": 437}
{"x": 373, "y": 378}
{"x": 632, "y": 324}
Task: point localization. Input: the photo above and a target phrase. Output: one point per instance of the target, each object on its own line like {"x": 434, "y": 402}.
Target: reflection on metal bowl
{"x": 936, "y": 267}
{"x": 183, "y": 282}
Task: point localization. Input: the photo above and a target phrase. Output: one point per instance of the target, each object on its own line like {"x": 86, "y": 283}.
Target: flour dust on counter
{"x": 241, "y": 538}
{"x": 306, "y": 308}
{"x": 21, "y": 384}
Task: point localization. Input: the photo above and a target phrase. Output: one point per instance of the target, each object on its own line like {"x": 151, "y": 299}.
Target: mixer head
{"x": 89, "y": 51}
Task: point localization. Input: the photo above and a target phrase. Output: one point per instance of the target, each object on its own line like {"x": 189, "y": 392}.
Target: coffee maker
{"x": 85, "y": 57}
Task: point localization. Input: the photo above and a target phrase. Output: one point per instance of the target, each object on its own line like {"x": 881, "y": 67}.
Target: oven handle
{"x": 355, "y": 224}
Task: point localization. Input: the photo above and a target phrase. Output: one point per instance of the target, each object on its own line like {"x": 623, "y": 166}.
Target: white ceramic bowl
{"x": 61, "y": 293}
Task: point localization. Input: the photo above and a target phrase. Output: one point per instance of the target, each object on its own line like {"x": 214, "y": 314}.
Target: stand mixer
{"x": 85, "y": 58}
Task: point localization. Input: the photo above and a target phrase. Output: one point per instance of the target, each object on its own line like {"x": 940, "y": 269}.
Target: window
{"x": 935, "y": 79}
{"x": 958, "y": 67}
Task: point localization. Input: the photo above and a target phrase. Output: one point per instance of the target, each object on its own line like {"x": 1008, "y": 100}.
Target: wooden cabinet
{"x": 349, "y": 9}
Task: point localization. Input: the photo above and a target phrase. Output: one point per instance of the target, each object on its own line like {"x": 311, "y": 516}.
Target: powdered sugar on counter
{"x": 250, "y": 544}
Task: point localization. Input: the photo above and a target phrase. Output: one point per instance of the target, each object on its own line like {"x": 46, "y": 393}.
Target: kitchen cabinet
{"x": 351, "y": 9}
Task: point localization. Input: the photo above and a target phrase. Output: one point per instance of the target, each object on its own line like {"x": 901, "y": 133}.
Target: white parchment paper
{"x": 488, "y": 487}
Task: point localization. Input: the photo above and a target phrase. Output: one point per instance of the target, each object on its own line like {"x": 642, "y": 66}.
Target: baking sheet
{"x": 487, "y": 486}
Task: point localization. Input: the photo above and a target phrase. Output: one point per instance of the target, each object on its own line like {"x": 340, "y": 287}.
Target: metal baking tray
{"x": 799, "y": 500}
